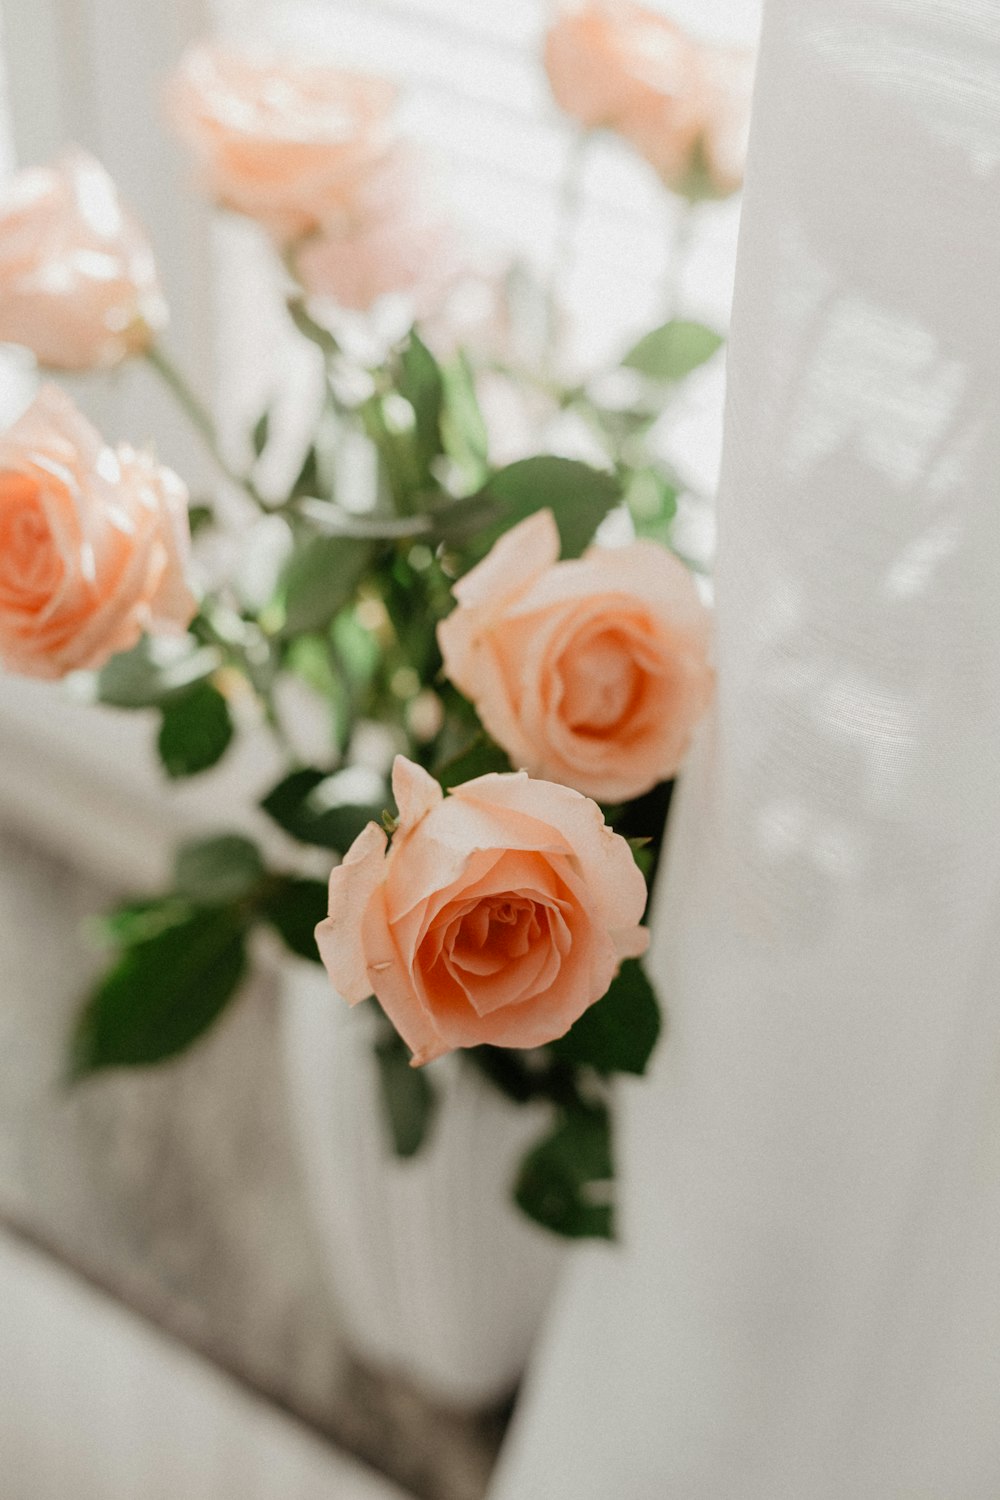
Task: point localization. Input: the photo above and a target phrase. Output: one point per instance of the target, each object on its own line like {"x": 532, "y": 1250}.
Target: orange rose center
{"x": 498, "y": 944}
{"x": 601, "y": 682}
{"x": 498, "y": 930}
{"x": 497, "y": 951}
{"x": 31, "y": 568}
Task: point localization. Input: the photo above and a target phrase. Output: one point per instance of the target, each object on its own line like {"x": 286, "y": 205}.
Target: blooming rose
{"x": 387, "y": 242}
{"x": 500, "y": 913}
{"x": 592, "y": 672}
{"x": 78, "y": 283}
{"x": 357, "y": 264}
{"x": 288, "y": 143}
{"x": 93, "y": 544}
{"x": 680, "y": 104}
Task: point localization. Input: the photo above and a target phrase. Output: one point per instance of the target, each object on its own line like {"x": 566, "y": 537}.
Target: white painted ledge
{"x": 83, "y": 780}
{"x": 96, "y": 1405}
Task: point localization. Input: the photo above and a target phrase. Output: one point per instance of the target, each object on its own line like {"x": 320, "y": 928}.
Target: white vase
{"x": 437, "y": 1275}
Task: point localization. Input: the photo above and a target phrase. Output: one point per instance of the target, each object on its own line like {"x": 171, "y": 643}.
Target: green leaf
{"x": 391, "y": 423}
{"x": 162, "y": 994}
{"x": 154, "y": 671}
{"x": 565, "y": 1183}
{"x": 137, "y": 921}
{"x": 294, "y": 907}
{"x": 200, "y": 517}
{"x": 422, "y": 383}
{"x": 374, "y": 526}
{"x": 673, "y": 350}
{"x": 307, "y": 480}
{"x": 617, "y": 426}
{"x": 218, "y": 871}
{"x": 308, "y": 657}
{"x": 509, "y": 1072}
{"x": 407, "y": 1096}
{"x": 463, "y": 430}
{"x": 646, "y": 817}
{"x": 319, "y": 579}
{"x": 195, "y": 732}
{"x": 261, "y": 432}
{"x": 313, "y": 659}
{"x": 618, "y": 1034}
{"x": 652, "y": 503}
{"x": 356, "y": 648}
{"x": 477, "y": 759}
{"x": 644, "y": 854}
{"x": 312, "y": 330}
{"x": 327, "y": 810}
{"x": 578, "y": 496}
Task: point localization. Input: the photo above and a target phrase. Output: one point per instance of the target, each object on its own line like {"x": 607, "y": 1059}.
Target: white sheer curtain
{"x": 807, "y": 1303}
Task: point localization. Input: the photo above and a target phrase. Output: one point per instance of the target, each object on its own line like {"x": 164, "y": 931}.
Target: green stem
{"x": 278, "y": 731}
{"x": 677, "y": 256}
{"x": 567, "y": 218}
{"x": 244, "y": 646}
{"x": 200, "y": 418}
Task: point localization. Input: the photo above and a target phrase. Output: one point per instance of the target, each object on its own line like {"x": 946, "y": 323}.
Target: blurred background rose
{"x": 78, "y": 280}
{"x": 93, "y": 544}
{"x": 684, "y": 104}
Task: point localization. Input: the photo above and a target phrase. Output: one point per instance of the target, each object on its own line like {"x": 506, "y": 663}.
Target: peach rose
{"x": 500, "y": 913}
{"x": 388, "y": 243}
{"x": 288, "y": 143}
{"x": 78, "y": 282}
{"x": 93, "y": 544}
{"x": 627, "y": 69}
{"x": 592, "y": 672}
{"x": 680, "y": 104}
{"x": 357, "y": 264}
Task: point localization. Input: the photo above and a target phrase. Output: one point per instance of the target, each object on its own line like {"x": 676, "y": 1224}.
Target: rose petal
{"x": 617, "y": 577}
{"x": 522, "y": 554}
{"x": 630, "y": 942}
{"x": 392, "y": 984}
{"x": 437, "y": 854}
{"x": 415, "y": 791}
{"x": 166, "y": 496}
{"x": 609, "y": 872}
{"x": 353, "y": 883}
{"x": 54, "y": 427}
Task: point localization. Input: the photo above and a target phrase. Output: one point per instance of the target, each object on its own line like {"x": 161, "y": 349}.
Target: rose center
{"x": 30, "y": 565}
{"x": 500, "y": 928}
{"x": 600, "y": 684}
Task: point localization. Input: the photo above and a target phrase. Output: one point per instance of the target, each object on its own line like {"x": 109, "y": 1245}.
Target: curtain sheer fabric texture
{"x": 806, "y": 1302}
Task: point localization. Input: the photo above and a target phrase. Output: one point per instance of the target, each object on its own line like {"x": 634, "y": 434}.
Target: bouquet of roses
{"x": 505, "y": 699}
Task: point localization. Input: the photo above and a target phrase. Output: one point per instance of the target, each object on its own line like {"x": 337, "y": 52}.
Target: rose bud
{"x": 680, "y": 104}
{"x": 500, "y": 913}
{"x": 290, "y": 144}
{"x": 78, "y": 282}
{"x": 592, "y": 672}
{"x": 93, "y": 544}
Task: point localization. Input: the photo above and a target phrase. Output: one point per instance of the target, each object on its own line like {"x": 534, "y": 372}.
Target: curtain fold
{"x": 806, "y": 1301}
